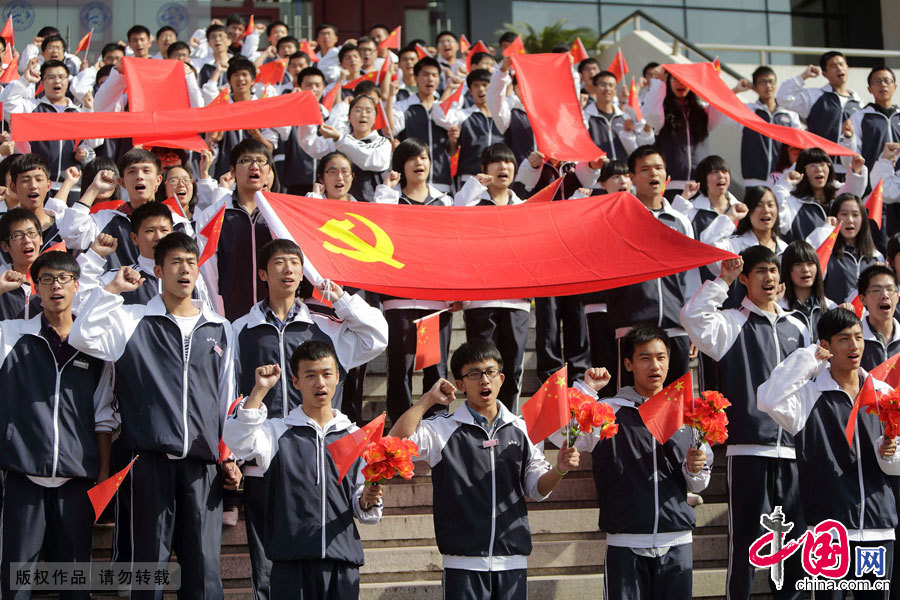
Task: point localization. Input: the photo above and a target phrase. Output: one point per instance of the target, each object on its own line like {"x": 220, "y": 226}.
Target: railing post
{"x": 676, "y": 47}
{"x": 637, "y": 23}
{"x": 762, "y": 57}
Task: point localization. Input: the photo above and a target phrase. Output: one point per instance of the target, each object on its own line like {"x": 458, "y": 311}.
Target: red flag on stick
{"x": 211, "y": 231}
{"x": 8, "y": 33}
{"x": 716, "y": 65}
{"x": 12, "y": 71}
{"x": 447, "y": 104}
{"x": 618, "y": 66}
{"x": 104, "y": 491}
{"x": 307, "y": 49}
{"x": 384, "y": 70}
{"x": 547, "y": 411}
{"x": 346, "y": 450}
{"x": 516, "y": 47}
{"x": 464, "y": 44}
{"x": 578, "y": 51}
{"x": 328, "y": 99}
{"x": 175, "y": 206}
{"x": 634, "y": 102}
{"x": 421, "y": 51}
{"x": 370, "y": 76}
{"x": 478, "y": 47}
{"x": 224, "y": 452}
{"x": 222, "y": 97}
{"x": 108, "y": 205}
{"x": 864, "y": 399}
{"x": 857, "y": 304}
{"x": 271, "y": 73}
{"x": 251, "y": 25}
{"x": 85, "y": 42}
{"x": 391, "y": 41}
{"x": 888, "y": 371}
{"x": 428, "y": 340}
{"x": 454, "y": 163}
{"x": 825, "y": 248}
{"x": 663, "y": 414}
{"x": 875, "y": 202}
{"x": 546, "y": 194}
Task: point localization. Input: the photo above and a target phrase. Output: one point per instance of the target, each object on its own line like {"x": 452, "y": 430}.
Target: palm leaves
{"x": 547, "y": 38}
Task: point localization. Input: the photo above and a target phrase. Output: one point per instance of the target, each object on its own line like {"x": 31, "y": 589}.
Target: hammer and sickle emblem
{"x": 359, "y": 249}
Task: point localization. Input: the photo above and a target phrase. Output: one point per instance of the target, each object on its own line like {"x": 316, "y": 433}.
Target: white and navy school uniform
{"x": 20, "y": 303}
{"x": 824, "y": 109}
{"x": 845, "y": 483}
{"x": 370, "y": 157}
{"x": 309, "y": 532}
{"x": 412, "y": 120}
{"x": 477, "y": 132}
{"x": 842, "y": 272}
{"x": 808, "y": 312}
{"x": 873, "y": 127}
{"x": 358, "y": 333}
{"x": 798, "y": 217}
{"x": 56, "y": 400}
{"x": 608, "y": 132}
{"x": 502, "y": 322}
{"x": 642, "y": 489}
{"x": 509, "y": 116}
{"x": 173, "y": 422}
{"x": 759, "y": 153}
{"x": 401, "y": 313}
{"x": 481, "y": 474}
{"x": 296, "y": 168}
{"x": 737, "y": 244}
{"x": 329, "y": 64}
{"x": 747, "y": 344}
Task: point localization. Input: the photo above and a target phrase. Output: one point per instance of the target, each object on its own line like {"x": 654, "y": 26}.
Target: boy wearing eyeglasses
{"x": 58, "y": 424}
{"x": 877, "y": 289}
{"x": 20, "y": 239}
{"x": 483, "y": 465}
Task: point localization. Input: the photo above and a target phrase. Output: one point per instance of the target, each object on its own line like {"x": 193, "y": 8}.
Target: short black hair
{"x": 139, "y": 155}
{"x": 762, "y": 71}
{"x": 175, "y": 47}
{"x": 237, "y": 19}
{"x": 248, "y": 146}
{"x": 443, "y": 33}
{"x": 56, "y": 260}
{"x": 322, "y": 26}
{"x": 323, "y": 163}
{"x": 585, "y": 62}
{"x": 405, "y": 150}
{"x": 47, "y": 30}
{"x": 877, "y": 69}
{"x": 288, "y": 39}
{"x": 214, "y": 28}
{"x": 823, "y": 60}
{"x": 478, "y": 75}
{"x": 474, "y": 351}
{"x": 649, "y": 66}
{"x": 757, "y": 255}
{"x": 644, "y": 333}
{"x": 477, "y": 57}
{"x": 642, "y": 152}
{"x": 275, "y": 24}
{"x": 834, "y": 321}
{"x": 101, "y": 163}
{"x": 346, "y": 49}
{"x": 613, "y": 167}
{"x": 6, "y": 164}
{"x": 137, "y": 30}
{"x": 893, "y": 245}
{"x": 603, "y": 74}
{"x": 508, "y": 36}
{"x": 53, "y": 38}
{"x": 711, "y": 163}
{"x": 378, "y": 26}
{"x": 309, "y": 72}
{"x": 174, "y": 241}
{"x": 16, "y": 215}
{"x": 112, "y": 47}
{"x": 53, "y": 64}
{"x": 275, "y": 247}
{"x": 239, "y": 63}
{"x": 28, "y": 162}
{"x": 426, "y": 61}
{"x": 365, "y": 40}
{"x": 164, "y": 29}
{"x": 312, "y": 350}
{"x": 497, "y": 153}
{"x": 862, "y": 284}
{"x": 148, "y": 210}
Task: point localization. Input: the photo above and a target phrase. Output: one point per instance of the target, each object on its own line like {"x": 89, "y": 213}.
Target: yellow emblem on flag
{"x": 359, "y": 249}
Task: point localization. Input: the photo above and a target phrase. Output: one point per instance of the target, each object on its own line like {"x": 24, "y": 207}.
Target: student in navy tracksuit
{"x": 29, "y": 180}
{"x": 746, "y": 344}
{"x": 714, "y": 212}
{"x": 508, "y": 112}
{"x": 811, "y": 394}
{"x": 611, "y": 129}
{"x": 58, "y": 422}
{"x": 483, "y": 465}
{"x": 20, "y": 238}
{"x": 268, "y": 335}
{"x": 649, "y": 550}
{"x": 174, "y": 382}
{"x": 804, "y": 288}
{"x": 853, "y": 250}
{"x": 659, "y": 300}
{"x": 297, "y": 169}
{"x": 309, "y": 533}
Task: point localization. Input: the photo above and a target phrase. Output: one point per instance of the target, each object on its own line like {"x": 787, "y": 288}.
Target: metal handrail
{"x": 801, "y": 50}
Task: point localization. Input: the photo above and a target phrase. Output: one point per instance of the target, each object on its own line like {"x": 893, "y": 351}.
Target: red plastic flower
{"x": 707, "y": 415}
{"x": 388, "y": 457}
{"x": 586, "y": 414}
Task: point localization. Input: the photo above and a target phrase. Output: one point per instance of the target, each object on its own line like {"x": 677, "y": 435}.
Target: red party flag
{"x": 12, "y": 71}
{"x": 857, "y": 304}
{"x": 384, "y": 70}
{"x": 716, "y": 65}
{"x": 428, "y": 340}
{"x": 578, "y": 51}
{"x": 224, "y": 451}
{"x": 175, "y": 206}
{"x": 271, "y": 73}
{"x": 634, "y": 102}
{"x": 8, "y": 33}
{"x": 478, "y": 47}
{"x": 391, "y": 41}
{"x": 307, "y": 49}
{"x": 864, "y": 399}
{"x": 547, "y": 194}
{"x": 618, "y": 66}
{"x": 825, "y": 248}
{"x": 346, "y": 450}
{"x": 874, "y": 203}
{"x": 329, "y": 98}
{"x": 663, "y": 414}
{"x": 104, "y": 491}
{"x": 516, "y": 47}
{"x": 546, "y": 90}
{"x": 251, "y": 26}
{"x": 888, "y": 371}
{"x": 85, "y": 42}
{"x": 108, "y": 205}
{"x": 421, "y": 51}
{"x": 454, "y": 163}
{"x": 211, "y": 231}
{"x": 547, "y": 411}
{"x": 447, "y": 104}
{"x": 222, "y": 97}
{"x": 464, "y": 44}
{"x": 370, "y": 76}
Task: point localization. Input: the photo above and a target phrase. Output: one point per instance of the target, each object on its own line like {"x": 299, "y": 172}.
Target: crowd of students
{"x": 121, "y": 344}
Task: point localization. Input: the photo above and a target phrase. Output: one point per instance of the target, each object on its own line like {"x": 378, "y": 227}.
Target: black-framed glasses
{"x": 477, "y": 375}
{"x": 62, "y": 278}
{"x": 18, "y": 236}
{"x": 259, "y": 161}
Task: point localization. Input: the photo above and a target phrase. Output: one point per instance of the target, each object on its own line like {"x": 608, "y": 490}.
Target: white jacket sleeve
{"x": 496, "y": 100}
{"x": 855, "y": 183}
{"x": 587, "y": 176}
{"x": 75, "y": 224}
{"x": 30, "y": 51}
{"x": 537, "y": 465}
{"x": 104, "y": 325}
{"x": 789, "y": 396}
{"x": 312, "y": 143}
{"x": 106, "y": 419}
{"x": 883, "y": 170}
{"x": 82, "y": 83}
{"x": 697, "y": 482}
{"x": 890, "y": 466}
{"x": 250, "y": 435}
{"x": 361, "y": 336}
{"x": 93, "y": 267}
{"x": 209, "y": 90}
{"x": 386, "y": 195}
{"x": 250, "y": 47}
{"x": 454, "y": 117}
{"x": 108, "y": 96}
{"x": 712, "y": 330}
{"x": 527, "y": 175}
{"x": 653, "y": 105}
{"x": 366, "y": 517}
{"x": 369, "y": 157}
{"x": 18, "y": 97}
{"x": 469, "y": 194}
{"x": 206, "y": 192}
{"x": 195, "y": 96}
{"x": 793, "y": 96}
{"x": 721, "y": 228}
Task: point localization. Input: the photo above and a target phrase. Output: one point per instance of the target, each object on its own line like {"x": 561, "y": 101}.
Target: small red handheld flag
{"x": 224, "y": 452}
{"x": 464, "y": 44}
{"x": 12, "y": 71}
{"x": 454, "y": 163}
{"x": 384, "y": 70}
{"x": 864, "y": 399}
{"x": 392, "y": 40}
{"x": 211, "y": 231}
{"x": 271, "y": 73}
{"x": 634, "y": 102}
{"x": 329, "y": 99}
{"x": 222, "y": 97}
{"x": 618, "y": 66}
{"x": 175, "y": 206}
{"x": 108, "y": 205}
{"x": 516, "y": 47}
{"x": 888, "y": 371}
{"x": 548, "y": 193}
{"x": 663, "y": 414}
{"x": 346, "y": 450}
{"x": 381, "y": 120}
{"x": 104, "y": 491}
{"x": 547, "y": 411}
{"x": 428, "y": 341}
{"x": 85, "y": 42}
{"x": 370, "y": 76}
{"x": 307, "y": 49}
{"x": 825, "y": 248}
{"x": 251, "y": 26}
{"x": 421, "y": 51}
{"x": 478, "y": 47}
{"x": 447, "y": 104}
{"x": 8, "y": 33}
{"x": 716, "y": 65}
{"x": 874, "y": 203}
{"x": 578, "y": 51}
{"x": 857, "y": 304}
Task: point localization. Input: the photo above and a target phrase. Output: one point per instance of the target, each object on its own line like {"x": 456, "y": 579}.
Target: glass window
{"x": 545, "y": 14}
{"x": 673, "y": 18}
{"x": 743, "y": 4}
{"x": 727, "y": 27}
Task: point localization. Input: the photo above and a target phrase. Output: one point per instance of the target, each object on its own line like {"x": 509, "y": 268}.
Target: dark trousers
{"x": 561, "y": 337}
{"x": 58, "y": 520}
{"x": 506, "y": 328}
{"x": 679, "y": 361}
{"x": 604, "y": 352}
{"x": 177, "y": 505}
{"x": 756, "y": 485}
{"x": 314, "y": 580}
{"x": 401, "y": 357}
{"x": 461, "y": 584}
{"x": 254, "y": 519}
{"x": 629, "y": 576}
{"x": 119, "y": 457}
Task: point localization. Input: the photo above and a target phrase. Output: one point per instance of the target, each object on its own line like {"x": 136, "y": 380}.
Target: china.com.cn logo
{"x": 826, "y": 550}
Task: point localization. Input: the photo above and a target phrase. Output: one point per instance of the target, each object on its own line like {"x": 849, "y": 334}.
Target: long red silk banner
{"x": 280, "y": 111}
{"x": 704, "y": 81}
{"x": 548, "y": 93}
{"x": 485, "y": 253}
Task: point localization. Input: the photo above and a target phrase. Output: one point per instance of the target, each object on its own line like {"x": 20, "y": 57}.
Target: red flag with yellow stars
{"x": 211, "y": 231}
{"x": 175, "y": 206}
{"x": 85, "y": 42}
{"x": 391, "y": 41}
{"x": 716, "y": 65}
{"x": 634, "y": 101}
{"x": 104, "y": 491}
{"x": 12, "y": 71}
{"x": 307, "y": 49}
{"x": 825, "y": 248}
{"x": 516, "y": 47}
{"x": 447, "y": 104}
{"x": 547, "y": 411}
{"x": 222, "y": 98}
{"x": 108, "y": 205}
{"x": 618, "y": 66}
{"x": 864, "y": 399}
{"x": 251, "y": 25}
{"x": 329, "y": 98}
{"x": 428, "y": 341}
{"x": 857, "y": 304}
{"x": 370, "y": 76}
{"x": 346, "y": 450}
{"x": 271, "y": 73}
{"x": 421, "y": 51}
{"x": 663, "y": 414}
{"x": 454, "y": 163}
{"x": 888, "y": 371}
{"x": 464, "y": 44}
{"x": 578, "y": 51}
{"x": 875, "y": 202}
{"x": 478, "y": 47}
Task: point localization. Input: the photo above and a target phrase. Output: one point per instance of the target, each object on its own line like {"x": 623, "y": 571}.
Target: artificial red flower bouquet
{"x": 586, "y": 414}
{"x": 387, "y": 457}
{"x": 707, "y": 415}
{"x": 887, "y": 407}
